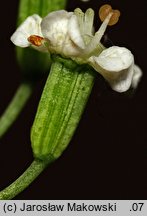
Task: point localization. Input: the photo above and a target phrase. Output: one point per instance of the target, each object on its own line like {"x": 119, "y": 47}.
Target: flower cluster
{"x": 71, "y": 34}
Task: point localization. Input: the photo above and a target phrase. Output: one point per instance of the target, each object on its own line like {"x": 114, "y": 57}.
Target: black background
{"x": 107, "y": 158}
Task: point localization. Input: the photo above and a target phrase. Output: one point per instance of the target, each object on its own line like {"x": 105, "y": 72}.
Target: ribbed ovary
{"x": 62, "y": 103}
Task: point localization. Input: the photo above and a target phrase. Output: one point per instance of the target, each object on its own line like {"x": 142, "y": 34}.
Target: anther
{"x": 104, "y": 12}
{"x": 35, "y": 40}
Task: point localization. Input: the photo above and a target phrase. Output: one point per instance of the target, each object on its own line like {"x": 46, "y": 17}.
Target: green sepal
{"x": 33, "y": 63}
{"x": 60, "y": 108}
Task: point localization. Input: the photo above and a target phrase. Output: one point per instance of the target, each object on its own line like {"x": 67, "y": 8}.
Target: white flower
{"x": 71, "y": 35}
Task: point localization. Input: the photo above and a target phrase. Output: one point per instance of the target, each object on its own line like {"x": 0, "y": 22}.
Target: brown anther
{"x": 105, "y": 10}
{"x": 115, "y": 17}
{"x": 35, "y": 40}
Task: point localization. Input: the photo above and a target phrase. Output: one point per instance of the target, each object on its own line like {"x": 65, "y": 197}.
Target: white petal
{"x": 116, "y": 65}
{"x": 136, "y": 76}
{"x": 19, "y": 38}
{"x": 54, "y": 27}
{"x": 31, "y": 26}
{"x": 123, "y": 80}
{"x": 115, "y": 59}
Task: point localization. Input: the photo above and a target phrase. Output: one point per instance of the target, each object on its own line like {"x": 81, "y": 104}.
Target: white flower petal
{"x": 115, "y": 59}
{"x": 54, "y": 28}
{"x": 19, "y": 38}
{"x": 136, "y": 76}
{"x": 31, "y": 26}
{"x": 116, "y": 65}
{"x": 123, "y": 80}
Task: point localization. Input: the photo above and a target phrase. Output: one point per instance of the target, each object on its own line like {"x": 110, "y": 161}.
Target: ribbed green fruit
{"x": 60, "y": 108}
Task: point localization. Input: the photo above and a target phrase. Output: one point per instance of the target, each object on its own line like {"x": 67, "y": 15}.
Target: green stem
{"x": 24, "y": 180}
{"x": 14, "y": 108}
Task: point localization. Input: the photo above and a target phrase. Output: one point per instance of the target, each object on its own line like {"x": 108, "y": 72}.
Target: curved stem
{"x": 24, "y": 180}
{"x": 14, "y": 108}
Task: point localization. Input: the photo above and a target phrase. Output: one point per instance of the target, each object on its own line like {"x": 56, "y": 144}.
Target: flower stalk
{"x": 24, "y": 180}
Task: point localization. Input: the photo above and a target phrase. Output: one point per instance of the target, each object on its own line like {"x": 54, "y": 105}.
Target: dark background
{"x": 107, "y": 158}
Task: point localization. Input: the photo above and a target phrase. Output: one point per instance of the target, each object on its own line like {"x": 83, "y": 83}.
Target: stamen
{"x": 115, "y": 17}
{"x": 109, "y": 17}
{"x": 35, "y": 40}
{"x": 92, "y": 46}
{"x": 105, "y": 10}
